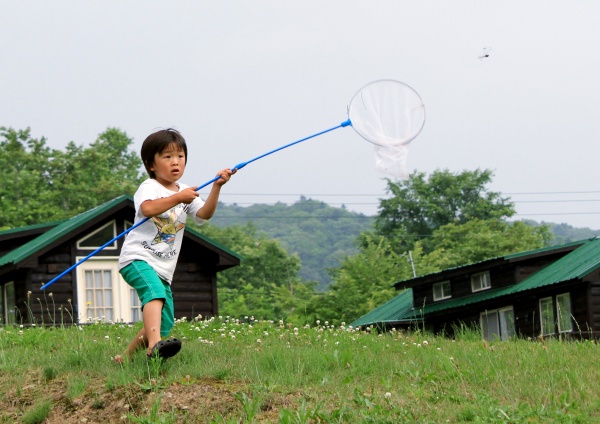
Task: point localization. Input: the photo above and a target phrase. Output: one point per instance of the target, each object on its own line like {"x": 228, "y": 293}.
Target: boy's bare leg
{"x": 138, "y": 342}
{"x": 152, "y": 317}
{"x": 147, "y": 336}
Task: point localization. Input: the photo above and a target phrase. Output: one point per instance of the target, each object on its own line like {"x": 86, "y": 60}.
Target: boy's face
{"x": 168, "y": 166}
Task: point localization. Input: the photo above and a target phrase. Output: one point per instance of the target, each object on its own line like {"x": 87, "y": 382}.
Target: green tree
{"x": 363, "y": 281}
{"x": 446, "y": 221}
{"x": 266, "y": 284}
{"x": 419, "y": 205}
{"x": 40, "y": 184}
{"x": 477, "y": 240}
{"x": 87, "y": 177}
{"x": 26, "y": 192}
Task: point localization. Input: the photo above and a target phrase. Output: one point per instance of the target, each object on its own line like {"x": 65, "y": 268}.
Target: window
{"x": 552, "y": 317}
{"x": 441, "y": 290}
{"x": 2, "y": 308}
{"x": 563, "y": 306}
{"x": 480, "y": 281}
{"x": 103, "y": 295}
{"x": 99, "y": 295}
{"x": 498, "y": 323}
{"x": 99, "y": 237}
{"x": 547, "y": 316}
{"x": 135, "y": 305}
{"x": 9, "y": 303}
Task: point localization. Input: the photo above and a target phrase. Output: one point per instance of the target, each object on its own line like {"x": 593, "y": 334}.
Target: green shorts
{"x": 149, "y": 286}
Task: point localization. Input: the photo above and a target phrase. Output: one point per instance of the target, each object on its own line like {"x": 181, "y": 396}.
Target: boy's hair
{"x": 157, "y": 142}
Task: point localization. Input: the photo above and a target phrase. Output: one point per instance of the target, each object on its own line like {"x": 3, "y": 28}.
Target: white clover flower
{"x": 318, "y": 321}
{"x": 259, "y": 341}
{"x": 425, "y": 342}
{"x": 387, "y": 395}
{"x": 106, "y": 338}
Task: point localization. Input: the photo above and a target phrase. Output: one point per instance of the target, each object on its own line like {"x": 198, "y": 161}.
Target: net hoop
{"x": 388, "y": 114}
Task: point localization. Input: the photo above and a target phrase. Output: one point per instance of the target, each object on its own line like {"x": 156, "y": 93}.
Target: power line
{"x": 379, "y": 194}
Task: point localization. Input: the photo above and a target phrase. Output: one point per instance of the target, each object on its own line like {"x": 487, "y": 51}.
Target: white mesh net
{"x": 388, "y": 114}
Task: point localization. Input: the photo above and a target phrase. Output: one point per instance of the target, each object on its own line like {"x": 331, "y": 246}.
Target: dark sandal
{"x": 166, "y": 348}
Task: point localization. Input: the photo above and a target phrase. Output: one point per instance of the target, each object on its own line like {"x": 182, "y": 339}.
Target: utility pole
{"x": 411, "y": 262}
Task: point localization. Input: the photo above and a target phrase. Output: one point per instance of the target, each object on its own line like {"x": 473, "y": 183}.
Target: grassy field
{"x": 232, "y": 371}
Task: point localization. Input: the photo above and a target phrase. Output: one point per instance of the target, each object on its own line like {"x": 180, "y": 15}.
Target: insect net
{"x": 389, "y": 114}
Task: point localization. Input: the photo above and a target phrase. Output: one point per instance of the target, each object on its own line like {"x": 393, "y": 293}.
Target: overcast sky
{"x": 240, "y": 78}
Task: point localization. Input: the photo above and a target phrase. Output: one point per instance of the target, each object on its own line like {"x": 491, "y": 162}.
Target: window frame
{"x": 561, "y": 315}
{"x": 444, "y": 296}
{"x": 545, "y": 320}
{"x": 121, "y": 293}
{"x": 480, "y": 287}
{"x": 505, "y": 328}
{"x": 113, "y": 246}
{"x": 8, "y": 313}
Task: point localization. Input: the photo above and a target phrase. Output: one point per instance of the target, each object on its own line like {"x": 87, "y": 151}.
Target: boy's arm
{"x": 155, "y": 207}
{"x": 210, "y": 204}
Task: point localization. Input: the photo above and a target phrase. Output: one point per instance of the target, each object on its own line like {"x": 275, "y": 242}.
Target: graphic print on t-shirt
{"x": 167, "y": 228}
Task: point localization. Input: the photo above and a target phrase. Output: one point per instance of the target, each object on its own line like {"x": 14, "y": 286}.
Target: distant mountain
{"x": 565, "y": 233}
{"x": 320, "y": 234}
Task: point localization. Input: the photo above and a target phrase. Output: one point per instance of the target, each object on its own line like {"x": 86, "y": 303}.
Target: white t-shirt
{"x": 158, "y": 240}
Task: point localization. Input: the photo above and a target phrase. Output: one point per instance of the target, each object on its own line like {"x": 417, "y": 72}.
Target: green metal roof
{"x": 395, "y": 310}
{"x": 63, "y": 228}
{"x": 225, "y": 249}
{"x": 527, "y": 253}
{"x": 32, "y": 227}
{"x": 574, "y": 265}
{"x": 45, "y": 240}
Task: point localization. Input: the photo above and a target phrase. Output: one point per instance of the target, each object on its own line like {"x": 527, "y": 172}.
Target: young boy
{"x": 150, "y": 251}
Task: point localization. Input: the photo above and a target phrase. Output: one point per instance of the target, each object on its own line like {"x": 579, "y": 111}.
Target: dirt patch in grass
{"x": 197, "y": 401}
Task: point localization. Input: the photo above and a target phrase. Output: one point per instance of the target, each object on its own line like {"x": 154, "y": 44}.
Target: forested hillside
{"x": 564, "y": 233}
{"x": 321, "y": 235}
